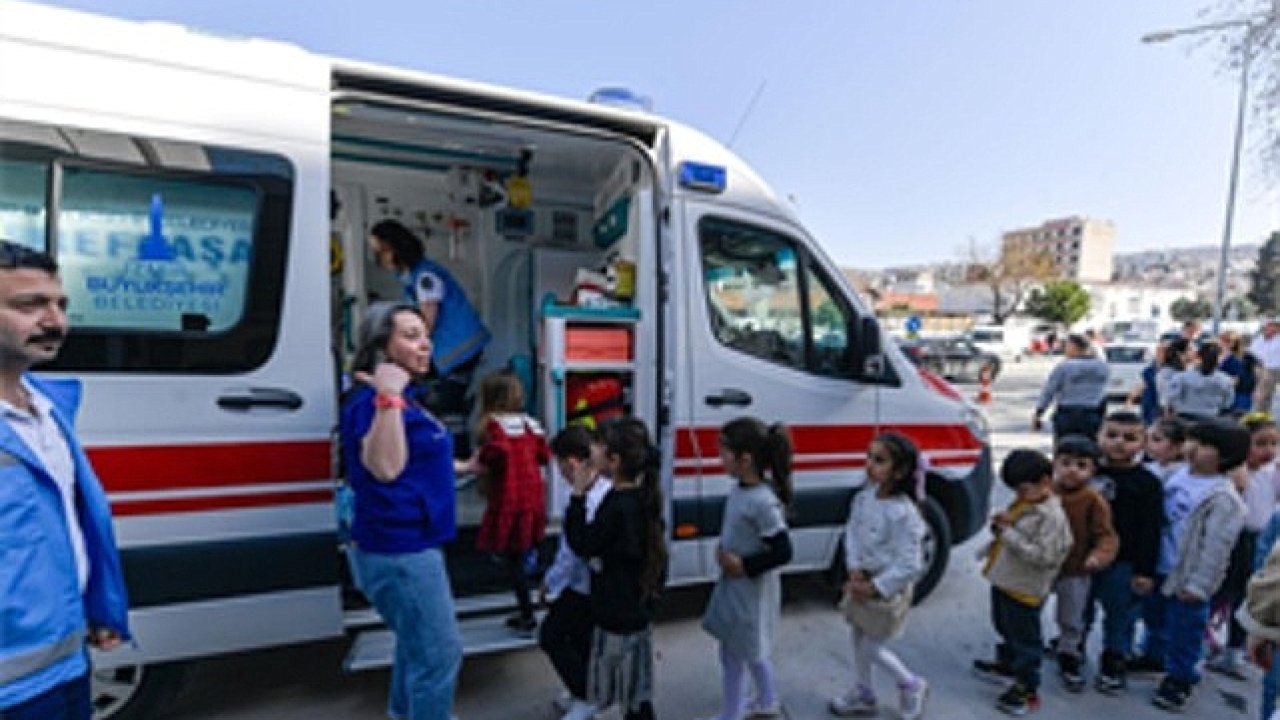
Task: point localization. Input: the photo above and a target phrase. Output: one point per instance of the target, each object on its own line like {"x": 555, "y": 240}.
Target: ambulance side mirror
{"x": 867, "y": 359}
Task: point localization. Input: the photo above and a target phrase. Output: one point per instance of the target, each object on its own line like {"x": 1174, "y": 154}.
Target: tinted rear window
{"x": 1126, "y": 354}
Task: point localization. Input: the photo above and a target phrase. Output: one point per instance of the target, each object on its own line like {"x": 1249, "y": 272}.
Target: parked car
{"x": 1126, "y": 361}
{"x": 1007, "y": 342}
{"x": 954, "y": 358}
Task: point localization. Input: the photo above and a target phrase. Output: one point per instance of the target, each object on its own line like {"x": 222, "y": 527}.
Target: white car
{"x": 1126, "y": 361}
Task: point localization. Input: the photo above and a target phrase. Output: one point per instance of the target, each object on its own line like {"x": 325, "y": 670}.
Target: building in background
{"x": 1081, "y": 248}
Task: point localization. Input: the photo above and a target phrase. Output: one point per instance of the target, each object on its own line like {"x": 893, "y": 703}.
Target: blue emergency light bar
{"x": 707, "y": 178}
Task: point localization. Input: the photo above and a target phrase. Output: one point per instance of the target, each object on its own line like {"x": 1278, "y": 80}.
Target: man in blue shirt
{"x": 61, "y": 572}
{"x": 458, "y": 336}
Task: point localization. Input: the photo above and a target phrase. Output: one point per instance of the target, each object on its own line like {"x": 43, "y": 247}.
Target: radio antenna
{"x": 747, "y": 113}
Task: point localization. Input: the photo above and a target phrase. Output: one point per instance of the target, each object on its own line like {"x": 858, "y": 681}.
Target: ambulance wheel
{"x": 135, "y": 692}
{"x": 937, "y": 547}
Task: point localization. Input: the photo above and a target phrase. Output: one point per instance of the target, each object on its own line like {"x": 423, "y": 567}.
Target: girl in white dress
{"x": 883, "y": 553}
{"x": 743, "y": 611}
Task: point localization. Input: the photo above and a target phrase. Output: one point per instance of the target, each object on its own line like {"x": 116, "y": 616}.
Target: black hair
{"x": 1076, "y": 446}
{"x": 1174, "y": 429}
{"x": 769, "y": 447}
{"x": 404, "y": 245}
{"x": 14, "y": 256}
{"x": 375, "y": 330}
{"x": 1229, "y": 439}
{"x": 1173, "y": 356}
{"x": 1123, "y": 417}
{"x": 1079, "y": 341}
{"x": 1208, "y": 358}
{"x": 638, "y": 462}
{"x": 574, "y": 442}
{"x": 1024, "y": 467}
{"x": 905, "y": 462}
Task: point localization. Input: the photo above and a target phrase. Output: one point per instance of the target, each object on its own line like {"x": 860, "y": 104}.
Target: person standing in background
{"x": 1078, "y": 387}
{"x": 62, "y": 580}
{"x": 1266, "y": 347}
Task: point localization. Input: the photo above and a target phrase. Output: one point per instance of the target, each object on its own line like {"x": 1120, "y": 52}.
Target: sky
{"x": 900, "y": 129}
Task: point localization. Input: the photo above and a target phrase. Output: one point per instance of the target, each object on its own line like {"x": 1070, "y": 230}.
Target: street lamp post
{"x": 1246, "y": 59}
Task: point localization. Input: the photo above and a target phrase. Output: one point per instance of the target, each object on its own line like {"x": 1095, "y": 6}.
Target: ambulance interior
{"x": 523, "y": 217}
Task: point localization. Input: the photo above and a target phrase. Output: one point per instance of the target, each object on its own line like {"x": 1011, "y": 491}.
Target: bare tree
{"x": 1010, "y": 271}
{"x": 1260, "y": 40}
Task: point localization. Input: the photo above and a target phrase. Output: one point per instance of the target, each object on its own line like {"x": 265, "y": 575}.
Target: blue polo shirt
{"x": 416, "y": 510}
{"x": 458, "y": 335}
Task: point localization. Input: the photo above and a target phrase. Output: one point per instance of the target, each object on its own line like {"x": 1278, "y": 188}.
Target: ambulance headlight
{"x": 977, "y": 422}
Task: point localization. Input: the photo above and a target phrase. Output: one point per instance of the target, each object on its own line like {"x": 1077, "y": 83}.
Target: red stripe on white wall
{"x": 213, "y": 465}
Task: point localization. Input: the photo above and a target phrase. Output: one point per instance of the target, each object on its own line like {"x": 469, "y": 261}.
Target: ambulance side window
{"x": 829, "y": 322}
{"x": 753, "y": 291}
{"x": 172, "y": 254}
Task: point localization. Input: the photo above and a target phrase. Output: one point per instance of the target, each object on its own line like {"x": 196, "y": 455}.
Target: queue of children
{"x": 1169, "y": 540}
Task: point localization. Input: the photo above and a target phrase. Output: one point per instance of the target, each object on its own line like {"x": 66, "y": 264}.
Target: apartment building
{"x": 1081, "y": 248}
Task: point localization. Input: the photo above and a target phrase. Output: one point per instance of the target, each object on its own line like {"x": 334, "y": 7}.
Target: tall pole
{"x": 1219, "y": 302}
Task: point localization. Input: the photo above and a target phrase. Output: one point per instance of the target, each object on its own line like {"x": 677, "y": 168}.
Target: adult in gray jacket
{"x": 1078, "y": 388}
{"x": 1202, "y": 391}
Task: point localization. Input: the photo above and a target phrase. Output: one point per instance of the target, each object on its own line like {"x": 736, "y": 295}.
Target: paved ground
{"x": 945, "y": 633}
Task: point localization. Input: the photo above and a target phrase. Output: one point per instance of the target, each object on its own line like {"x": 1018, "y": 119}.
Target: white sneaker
{"x": 758, "y": 710}
{"x": 853, "y": 704}
{"x": 563, "y": 701}
{"x": 580, "y": 710}
{"x": 912, "y": 699}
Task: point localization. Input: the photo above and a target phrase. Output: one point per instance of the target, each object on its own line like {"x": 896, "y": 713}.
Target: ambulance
{"x": 208, "y": 200}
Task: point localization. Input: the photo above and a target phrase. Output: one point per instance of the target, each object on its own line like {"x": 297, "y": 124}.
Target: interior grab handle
{"x": 729, "y": 396}
{"x": 245, "y": 400}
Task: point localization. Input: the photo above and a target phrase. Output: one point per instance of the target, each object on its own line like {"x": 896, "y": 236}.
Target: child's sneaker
{"x": 563, "y": 701}
{"x": 757, "y": 709}
{"x": 1069, "y": 671}
{"x": 859, "y": 702}
{"x": 580, "y": 710}
{"x": 993, "y": 671}
{"x": 1146, "y": 664}
{"x": 1111, "y": 674}
{"x": 1018, "y": 700}
{"x": 522, "y": 625}
{"x": 1172, "y": 695}
{"x": 911, "y": 699}
{"x": 1227, "y": 662}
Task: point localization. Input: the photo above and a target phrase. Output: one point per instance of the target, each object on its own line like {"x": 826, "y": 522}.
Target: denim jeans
{"x": 411, "y": 592}
{"x": 1113, "y": 590}
{"x": 1019, "y": 628}
{"x": 68, "y": 701}
{"x": 1175, "y": 633}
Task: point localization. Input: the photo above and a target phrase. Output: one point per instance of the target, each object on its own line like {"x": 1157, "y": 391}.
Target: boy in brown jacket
{"x": 1094, "y": 545}
{"x": 1032, "y": 538}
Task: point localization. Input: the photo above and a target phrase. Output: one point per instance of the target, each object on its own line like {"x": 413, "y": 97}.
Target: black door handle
{"x": 729, "y": 396}
{"x": 261, "y": 397}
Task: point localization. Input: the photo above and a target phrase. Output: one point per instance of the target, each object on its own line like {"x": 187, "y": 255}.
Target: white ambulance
{"x": 208, "y": 200}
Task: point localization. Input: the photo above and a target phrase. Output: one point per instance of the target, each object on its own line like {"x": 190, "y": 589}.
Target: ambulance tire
{"x": 136, "y": 692}
{"x": 937, "y": 547}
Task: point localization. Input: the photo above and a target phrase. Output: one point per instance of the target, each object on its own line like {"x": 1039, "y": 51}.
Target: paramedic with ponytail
{"x": 457, "y": 334}
{"x": 399, "y": 461}
{"x": 63, "y": 587}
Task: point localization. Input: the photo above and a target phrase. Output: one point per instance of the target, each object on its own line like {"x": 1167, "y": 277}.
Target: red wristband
{"x": 387, "y": 401}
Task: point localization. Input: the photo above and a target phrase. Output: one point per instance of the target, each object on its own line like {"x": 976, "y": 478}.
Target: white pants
{"x": 868, "y": 651}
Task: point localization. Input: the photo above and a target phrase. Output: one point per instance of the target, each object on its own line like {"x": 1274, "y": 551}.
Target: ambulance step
{"x": 373, "y": 649}
{"x": 465, "y": 607}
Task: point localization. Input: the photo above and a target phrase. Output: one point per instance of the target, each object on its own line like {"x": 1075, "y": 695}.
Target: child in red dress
{"x": 512, "y": 453}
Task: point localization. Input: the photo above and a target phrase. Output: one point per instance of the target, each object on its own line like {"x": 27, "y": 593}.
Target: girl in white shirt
{"x": 1164, "y": 448}
{"x": 883, "y": 554}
